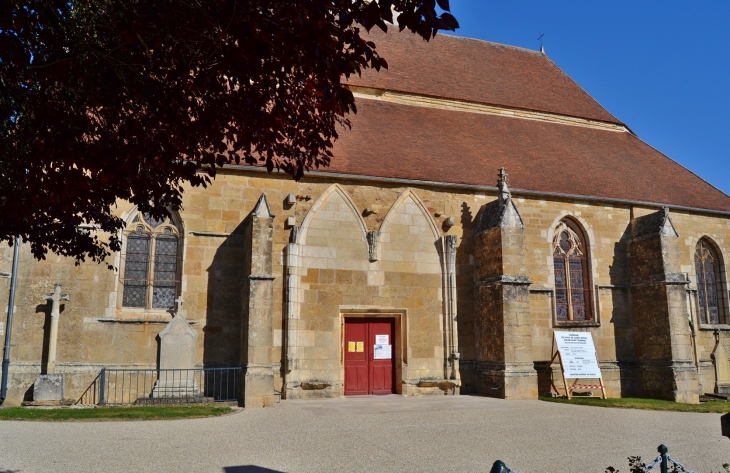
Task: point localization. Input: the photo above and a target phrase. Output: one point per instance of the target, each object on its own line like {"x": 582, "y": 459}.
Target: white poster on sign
{"x": 578, "y": 354}
{"x": 382, "y": 352}
{"x": 381, "y": 339}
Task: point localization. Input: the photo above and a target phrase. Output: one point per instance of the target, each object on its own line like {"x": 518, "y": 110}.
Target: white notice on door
{"x": 381, "y": 339}
{"x": 382, "y": 352}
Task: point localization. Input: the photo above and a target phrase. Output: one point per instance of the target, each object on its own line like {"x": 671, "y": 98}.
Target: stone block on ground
{"x": 48, "y": 387}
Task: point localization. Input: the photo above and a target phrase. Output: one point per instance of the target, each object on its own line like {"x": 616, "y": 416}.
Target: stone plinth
{"x": 170, "y": 386}
{"x": 48, "y": 387}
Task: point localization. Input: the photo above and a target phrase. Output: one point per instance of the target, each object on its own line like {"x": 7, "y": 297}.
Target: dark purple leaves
{"x": 134, "y": 100}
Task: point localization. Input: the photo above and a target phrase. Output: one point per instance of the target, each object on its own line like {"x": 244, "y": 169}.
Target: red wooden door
{"x": 356, "y": 357}
{"x": 369, "y": 367}
{"x": 381, "y": 357}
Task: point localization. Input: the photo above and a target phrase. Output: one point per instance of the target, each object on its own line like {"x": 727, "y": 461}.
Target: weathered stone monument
{"x": 177, "y": 360}
{"x": 48, "y": 387}
{"x": 258, "y": 296}
{"x": 720, "y": 357}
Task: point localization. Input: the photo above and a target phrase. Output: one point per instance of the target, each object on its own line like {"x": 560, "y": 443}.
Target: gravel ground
{"x": 389, "y": 433}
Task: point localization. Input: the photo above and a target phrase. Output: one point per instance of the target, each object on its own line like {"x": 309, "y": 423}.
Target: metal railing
{"x": 168, "y": 386}
{"x": 662, "y": 461}
{"x": 91, "y": 395}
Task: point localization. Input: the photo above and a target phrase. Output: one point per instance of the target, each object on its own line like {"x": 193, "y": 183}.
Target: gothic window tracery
{"x": 151, "y": 263}
{"x": 709, "y": 284}
{"x": 570, "y": 262}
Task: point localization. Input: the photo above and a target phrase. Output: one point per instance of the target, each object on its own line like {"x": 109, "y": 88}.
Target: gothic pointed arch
{"x": 151, "y": 261}
{"x": 572, "y": 270}
{"x": 409, "y": 239}
{"x": 344, "y": 205}
{"x": 711, "y": 295}
{"x": 408, "y": 197}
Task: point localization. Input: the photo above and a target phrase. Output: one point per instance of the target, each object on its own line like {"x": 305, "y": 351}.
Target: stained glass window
{"x": 136, "y": 268}
{"x": 151, "y": 263}
{"x": 709, "y": 289}
{"x": 570, "y": 262}
{"x": 164, "y": 284}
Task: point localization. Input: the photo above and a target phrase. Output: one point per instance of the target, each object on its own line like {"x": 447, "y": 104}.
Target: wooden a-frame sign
{"x": 577, "y": 356}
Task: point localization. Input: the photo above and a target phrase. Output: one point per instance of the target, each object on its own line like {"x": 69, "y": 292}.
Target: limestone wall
{"x": 606, "y": 230}
{"x": 337, "y": 278}
{"x": 338, "y": 274}
{"x": 691, "y": 228}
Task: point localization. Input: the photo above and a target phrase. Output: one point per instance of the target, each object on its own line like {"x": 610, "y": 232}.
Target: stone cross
{"x": 56, "y": 298}
{"x": 178, "y": 304}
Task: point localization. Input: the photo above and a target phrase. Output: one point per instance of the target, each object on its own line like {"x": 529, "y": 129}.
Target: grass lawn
{"x": 113, "y": 413}
{"x": 649, "y": 404}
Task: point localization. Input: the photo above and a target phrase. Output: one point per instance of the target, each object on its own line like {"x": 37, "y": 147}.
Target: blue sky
{"x": 663, "y": 68}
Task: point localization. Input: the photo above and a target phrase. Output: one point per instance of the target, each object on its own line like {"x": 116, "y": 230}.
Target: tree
{"x": 102, "y": 100}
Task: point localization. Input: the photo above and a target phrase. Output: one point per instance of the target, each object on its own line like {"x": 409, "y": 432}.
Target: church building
{"x": 482, "y": 201}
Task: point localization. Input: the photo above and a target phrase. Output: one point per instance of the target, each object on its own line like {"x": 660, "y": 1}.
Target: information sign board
{"x": 578, "y": 355}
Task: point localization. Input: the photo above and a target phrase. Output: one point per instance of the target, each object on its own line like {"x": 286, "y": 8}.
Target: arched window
{"x": 572, "y": 286}
{"x": 151, "y": 263}
{"x": 709, "y": 284}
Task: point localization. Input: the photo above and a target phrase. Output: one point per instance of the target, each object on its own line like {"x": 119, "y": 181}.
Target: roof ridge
{"x": 479, "y": 40}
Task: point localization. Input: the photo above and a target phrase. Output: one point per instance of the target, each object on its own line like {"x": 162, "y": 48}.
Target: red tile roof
{"x": 410, "y": 142}
{"x": 478, "y": 71}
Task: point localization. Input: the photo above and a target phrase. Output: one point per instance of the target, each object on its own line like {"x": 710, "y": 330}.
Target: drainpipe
{"x": 11, "y": 308}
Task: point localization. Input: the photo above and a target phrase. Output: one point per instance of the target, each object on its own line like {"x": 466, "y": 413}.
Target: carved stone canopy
{"x": 373, "y": 239}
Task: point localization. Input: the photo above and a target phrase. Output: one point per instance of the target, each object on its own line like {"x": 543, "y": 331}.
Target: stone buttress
{"x": 502, "y": 302}
{"x": 258, "y": 292}
{"x": 661, "y": 331}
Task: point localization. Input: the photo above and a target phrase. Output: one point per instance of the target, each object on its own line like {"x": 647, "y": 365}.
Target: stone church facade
{"x": 416, "y": 226}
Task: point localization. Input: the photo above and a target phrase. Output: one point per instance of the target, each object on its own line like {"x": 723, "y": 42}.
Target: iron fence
{"x": 163, "y": 386}
{"x": 91, "y": 395}
{"x": 662, "y": 461}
